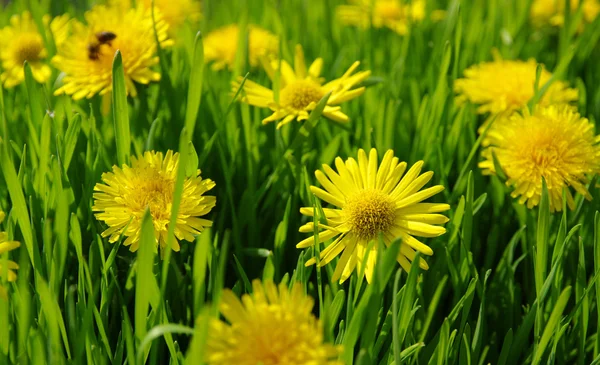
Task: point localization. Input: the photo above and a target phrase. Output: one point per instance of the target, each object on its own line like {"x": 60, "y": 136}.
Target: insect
{"x": 103, "y": 37}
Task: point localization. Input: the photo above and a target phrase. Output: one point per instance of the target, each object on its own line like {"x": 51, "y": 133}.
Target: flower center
{"x": 370, "y": 212}
{"x": 156, "y": 194}
{"x": 299, "y": 94}
{"x": 29, "y": 48}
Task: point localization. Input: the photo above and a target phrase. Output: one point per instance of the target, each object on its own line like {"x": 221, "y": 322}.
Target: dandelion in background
{"x": 5, "y": 246}
{"x": 505, "y": 86}
{"x": 86, "y": 57}
{"x": 555, "y": 143}
{"x": 301, "y": 89}
{"x": 370, "y": 200}
{"x": 273, "y": 325}
{"x": 121, "y": 200}
{"x": 19, "y": 42}
{"x": 174, "y": 12}
{"x": 552, "y": 12}
{"x": 221, "y": 46}
{"x": 393, "y": 14}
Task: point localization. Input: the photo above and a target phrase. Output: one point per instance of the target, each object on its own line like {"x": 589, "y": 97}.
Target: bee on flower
{"x": 301, "y": 89}
{"x": 86, "y": 56}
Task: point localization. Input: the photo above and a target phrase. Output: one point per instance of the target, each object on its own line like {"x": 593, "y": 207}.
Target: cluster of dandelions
{"x": 551, "y": 142}
{"x": 85, "y": 50}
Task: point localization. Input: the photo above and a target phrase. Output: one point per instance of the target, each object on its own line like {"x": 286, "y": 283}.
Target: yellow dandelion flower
{"x": 504, "y": 86}
{"x": 220, "y": 46}
{"x": 149, "y": 183}
{"x": 60, "y": 28}
{"x": 301, "y": 90}
{"x": 5, "y": 246}
{"x": 555, "y": 143}
{"x": 86, "y": 57}
{"x": 393, "y": 14}
{"x": 173, "y": 12}
{"x": 19, "y": 42}
{"x": 272, "y": 326}
{"x": 176, "y": 12}
{"x": 552, "y": 12}
{"x": 370, "y": 200}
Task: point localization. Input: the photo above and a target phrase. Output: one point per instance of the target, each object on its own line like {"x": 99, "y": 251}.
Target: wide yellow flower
{"x": 554, "y": 143}
{"x": 121, "y": 200}
{"x": 368, "y": 200}
{"x": 221, "y": 45}
{"x": 552, "y": 12}
{"x": 5, "y": 246}
{"x": 272, "y": 326}
{"x": 301, "y": 90}
{"x": 19, "y": 42}
{"x": 86, "y": 57}
{"x": 505, "y": 85}
{"x": 393, "y": 14}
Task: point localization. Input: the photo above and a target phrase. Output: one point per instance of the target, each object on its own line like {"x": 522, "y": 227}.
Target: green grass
{"x": 506, "y": 285}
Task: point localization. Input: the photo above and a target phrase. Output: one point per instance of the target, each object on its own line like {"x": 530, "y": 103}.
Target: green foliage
{"x": 506, "y": 284}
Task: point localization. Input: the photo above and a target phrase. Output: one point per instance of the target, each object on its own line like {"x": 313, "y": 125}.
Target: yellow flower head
{"x": 370, "y": 200}
{"x": 301, "y": 90}
{"x": 505, "y": 86}
{"x": 272, "y": 326}
{"x": 393, "y": 14}
{"x": 86, "y": 57}
{"x": 19, "y": 42}
{"x": 220, "y": 46}
{"x": 176, "y": 12}
{"x": 552, "y": 12}
{"x": 149, "y": 183}
{"x": 173, "y": 12}
{"x": 5, "y": 246}
{"x": 554, "y": 143}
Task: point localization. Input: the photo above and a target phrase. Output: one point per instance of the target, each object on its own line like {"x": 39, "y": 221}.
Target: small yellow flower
{"x": 86, "y": 57}
{"x": 5, "y": 246}
{"x": 370, "y": 200}
{"x": 149, "y": 183}
{"x": 19, "y": 42}
{"x": 504, "y": 86}
{"x": 393, "y": 14}
{"x": 301, "y": 90}
{"x": 552, "y": 12}
{"x": 173, "y": 12}
{"x": 176, "y": 12}
{"x": 554, "y": 143}
{"x": 221, "y": 45}
{"x": 272, "y": 326}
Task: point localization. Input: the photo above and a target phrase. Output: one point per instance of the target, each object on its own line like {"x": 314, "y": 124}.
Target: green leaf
{"x": 195, "y": 86}
{"x": 551, "y": 325}
{"x": 143, "y": 286}
{"x": 120, "y": 111}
